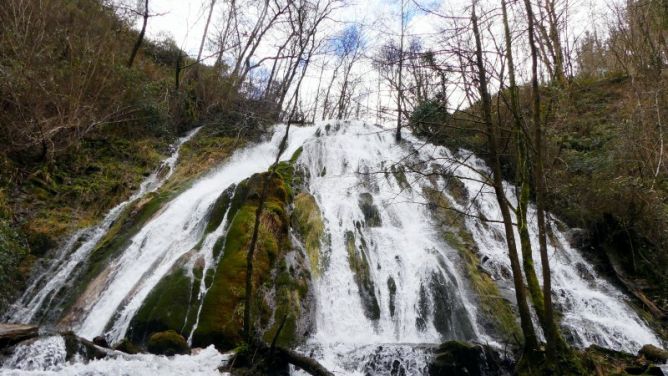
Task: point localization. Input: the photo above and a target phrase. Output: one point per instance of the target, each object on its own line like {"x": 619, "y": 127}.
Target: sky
{"x": 184, "y": 20}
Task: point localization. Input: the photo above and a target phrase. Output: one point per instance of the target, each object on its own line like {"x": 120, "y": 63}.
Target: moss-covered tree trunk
{"x": 530, "y": 341}
{"x": 256, "y": 229}
{"x": 523, "y": 178}
{"x": 559, "y": 353}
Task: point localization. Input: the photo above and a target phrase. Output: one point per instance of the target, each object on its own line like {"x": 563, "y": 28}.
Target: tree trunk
{"x": 140, "y": 38}
{"x": 523, "y": 179}
{"x": 552, "y": 335}
{"x": 530, "y": 341}
{"x": 206, "y": 30}
{"x": 401, "y": 66}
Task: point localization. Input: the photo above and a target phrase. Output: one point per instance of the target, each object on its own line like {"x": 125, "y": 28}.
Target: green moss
{"x": 221, "y": 318}
{"x": 127, "y": 347}
{"x": 291, "y": 288}
{"x": 219, "y": 209}
{"x": 167, "y": 343}
{"x": 359, "y": 264}
{"x": 307, "y": 219}
{"x": 400, "y": 177}
{"x": 296, "y": 155}
{"x": 167, "y": 307}
{"x": 492, "y": 305}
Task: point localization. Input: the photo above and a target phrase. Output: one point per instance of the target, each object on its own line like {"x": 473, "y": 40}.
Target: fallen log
{"x": 11, "y": 334}
{"x": 308, "y": 365}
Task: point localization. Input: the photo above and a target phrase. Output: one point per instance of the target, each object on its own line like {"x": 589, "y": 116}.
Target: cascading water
{"x": 389, "y": 281}
{"x": 349, "y": 164}
{"x": 38, "y": 297}
{"x": 47, "y": 356}
{"x": 173, "y": 232}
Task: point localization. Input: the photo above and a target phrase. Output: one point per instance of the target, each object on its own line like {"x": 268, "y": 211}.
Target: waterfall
{"x": 164, "y": 239}
{"x": 349, "y": 162}
{"x": 394, "y": 279}
{"x": 47, "y": 284}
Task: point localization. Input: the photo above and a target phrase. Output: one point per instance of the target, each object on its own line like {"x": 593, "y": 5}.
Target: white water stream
{"x": 428, "y": 300}
{"x": 39, "y": 295}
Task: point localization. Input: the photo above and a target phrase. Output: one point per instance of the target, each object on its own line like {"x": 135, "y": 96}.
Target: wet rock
{"x": 369, "y": 209}
{"x": 167, "y": 343}
{"x": 455, "y": 358}
{"x": 127, "y": 347}
{"x": 101, "y": 341}
{"x": 654, "y": 354}
{"x": 584, "y": 273}
{"x": 11, "y": 334}
{"x": 578, "y": 238}
{"x": 359, "y": 264}
{"x": 392, "y": 288}
{"x": 80, "y": 348}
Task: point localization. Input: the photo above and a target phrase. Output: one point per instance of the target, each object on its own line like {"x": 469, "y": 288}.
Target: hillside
{"x": 80, "y": 129}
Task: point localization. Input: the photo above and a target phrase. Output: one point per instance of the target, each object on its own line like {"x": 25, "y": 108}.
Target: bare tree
{"x": 140, "y": 38}
{"x": 530, "y": 340}
{"x": 206, "y": 30}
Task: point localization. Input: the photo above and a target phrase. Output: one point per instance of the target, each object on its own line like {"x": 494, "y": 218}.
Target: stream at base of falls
{"x": 379, "y": 202}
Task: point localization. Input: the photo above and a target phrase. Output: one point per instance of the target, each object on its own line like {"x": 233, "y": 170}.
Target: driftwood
{"x": 11, "y": 334}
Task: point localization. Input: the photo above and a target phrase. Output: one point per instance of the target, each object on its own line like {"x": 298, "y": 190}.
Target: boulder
{"x": 126, "y": 346}
{"x": 11, "y": 334}
{"x": 77, "y": 347}
{"x": 455, "y": 358}
{"x": 167, "y": 343}
{"x": 654, "y": 354}
{"x": 101, "y": 341}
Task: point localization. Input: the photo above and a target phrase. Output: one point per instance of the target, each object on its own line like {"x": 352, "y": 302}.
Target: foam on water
{"x": 47, "y": 356}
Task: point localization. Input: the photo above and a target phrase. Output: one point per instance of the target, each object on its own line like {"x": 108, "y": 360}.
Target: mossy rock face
{"x": 359, "y": 264}
{"x": 497, "y": 313}
{"x": 117, "y": 239}
{"x": 221, "y": 318}
{"x": 127, "y": 347}
{"x": 369, "y": 209}
{"x": 400, "y": 177}
{"x": 77, "y": 347}
{"x": 292, "y": 302}
{"x": 220, "y": 207}
{"x": 307, "y": 220}
{"x": 167, "y": 343}
{"x": 598, "y": 360}
{"x": 170, "y": 306}
{"x": 457, "y": 189}
{"x": 450, "y": 317}
{"x": 654, "y": 354}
